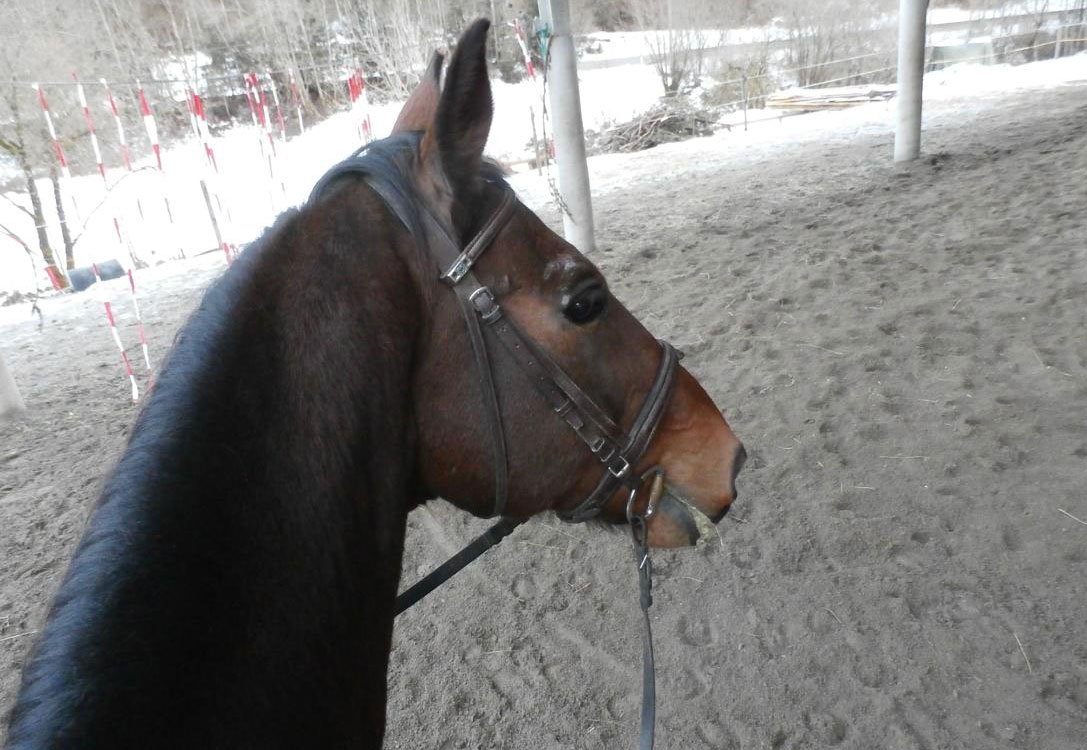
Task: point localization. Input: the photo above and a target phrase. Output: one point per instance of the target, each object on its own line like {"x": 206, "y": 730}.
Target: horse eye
{"x": 586, "y": 304}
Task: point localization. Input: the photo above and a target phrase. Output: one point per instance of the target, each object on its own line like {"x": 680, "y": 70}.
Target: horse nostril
{"x": 738, "y": 462}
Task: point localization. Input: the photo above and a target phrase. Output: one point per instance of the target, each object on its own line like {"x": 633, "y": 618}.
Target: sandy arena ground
{"x": 903, "y": 352}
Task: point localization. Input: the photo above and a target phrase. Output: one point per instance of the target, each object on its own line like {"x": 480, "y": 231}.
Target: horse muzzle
{"x": 673, "y": 520}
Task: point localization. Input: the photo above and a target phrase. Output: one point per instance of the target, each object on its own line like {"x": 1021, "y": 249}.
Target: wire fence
{"x": 840, "y": 61}
{"x": 858, "y": 77}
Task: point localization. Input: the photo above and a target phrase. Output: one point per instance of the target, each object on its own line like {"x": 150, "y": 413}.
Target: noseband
{"x": 617, "y": 450}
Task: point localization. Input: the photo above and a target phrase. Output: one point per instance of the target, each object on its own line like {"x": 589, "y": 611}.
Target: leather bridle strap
{"x": 455, "y": 564}
{"x": 458, "y": 269}
{"x": 641, "y": 435}
{"x": 491, "y": 405}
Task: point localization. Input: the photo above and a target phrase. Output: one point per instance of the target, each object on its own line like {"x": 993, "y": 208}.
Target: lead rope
{"x": 639, "y": 532}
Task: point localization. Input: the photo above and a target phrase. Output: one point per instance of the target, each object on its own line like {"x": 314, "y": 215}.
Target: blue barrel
{"x": 83, "y": 277}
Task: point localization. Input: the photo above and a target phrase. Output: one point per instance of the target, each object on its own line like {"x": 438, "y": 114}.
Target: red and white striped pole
{"x": 201, "y": 119}
{"x": 149, "y": 124}
{"x": 265, "y": 119}
{"x": 279, "y": 109}
{"x": 521, "y": 34}
{"x": 58, "y": 150}
{"x": 124, "y": 354}
{"x": 89, "y": 120}
{"x": 139, "y": 319}
{"x": 126, "y": 157}
{"x": 148, "y": 116}
{"x": 356, "y": 88}
{"x": 522, "y": 42}
{"x": 367, "y": 126}
{"x": 258, "y": 109}
{"x": 254, "y": 109}
{"x": 191, "y": 107}
{"x": 296, "y": 99}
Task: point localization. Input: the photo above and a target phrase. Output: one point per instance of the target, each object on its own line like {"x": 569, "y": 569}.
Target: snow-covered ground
{"x": 251, "y": 199}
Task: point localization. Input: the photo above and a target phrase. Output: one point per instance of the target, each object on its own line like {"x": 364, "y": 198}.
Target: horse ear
{"x": 419, "y": 110}
{"x": 465, "y": 109}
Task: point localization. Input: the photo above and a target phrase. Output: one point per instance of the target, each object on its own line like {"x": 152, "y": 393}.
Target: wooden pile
{"x": 838, "y": 97}
{"x": 671, "y": 120}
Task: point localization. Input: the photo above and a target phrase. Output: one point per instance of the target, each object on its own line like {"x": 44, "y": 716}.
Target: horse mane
{"x": 228, "y": 569}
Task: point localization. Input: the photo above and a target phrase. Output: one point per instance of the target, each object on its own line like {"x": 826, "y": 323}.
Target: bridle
{"x": 619, "y": 451}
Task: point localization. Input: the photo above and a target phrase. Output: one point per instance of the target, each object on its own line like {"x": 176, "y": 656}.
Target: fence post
{"x": 743, "y": 91}
{"x": 10, "y": 401}
{"x": 1057, "y": 43}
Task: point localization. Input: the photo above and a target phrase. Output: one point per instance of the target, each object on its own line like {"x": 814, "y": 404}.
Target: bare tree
{"x": 680, "y": 32}
{"x": 835, "y": 40}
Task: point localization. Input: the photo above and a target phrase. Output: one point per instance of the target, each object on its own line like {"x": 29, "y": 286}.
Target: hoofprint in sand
{"x": 902, "y": 351}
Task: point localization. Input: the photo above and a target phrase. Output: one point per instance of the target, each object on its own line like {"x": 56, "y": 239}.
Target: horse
{"x": 236, "y": 581}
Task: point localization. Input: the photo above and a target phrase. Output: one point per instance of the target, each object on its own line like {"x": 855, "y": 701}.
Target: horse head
{"x": 562, "y": 306}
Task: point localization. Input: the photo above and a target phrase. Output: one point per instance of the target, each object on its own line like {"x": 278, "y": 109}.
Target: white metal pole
{"x": 577, "y": 208}
{"x": 911, "y": 72}
{"x": 10, "y": 400}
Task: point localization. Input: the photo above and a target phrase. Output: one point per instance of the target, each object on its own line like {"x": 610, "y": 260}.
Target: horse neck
{"x": 236, "y": 582}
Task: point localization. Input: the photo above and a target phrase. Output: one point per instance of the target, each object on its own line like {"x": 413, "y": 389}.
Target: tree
{"x": 835, "y": 40}
{"x": 27, "y": 52}
{"x": 680, "y": 31}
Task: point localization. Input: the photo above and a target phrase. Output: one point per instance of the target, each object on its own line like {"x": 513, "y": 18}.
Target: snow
{"x": 938, "y": 16}
{"x": 610, "y": 94}
{"x": 627, "y": 45}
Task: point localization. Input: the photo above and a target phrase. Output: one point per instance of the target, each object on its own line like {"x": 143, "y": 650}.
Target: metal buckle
{"x": 460, "y": 268}
{"x": 623, "y": 471}
{"x": 485, "y": 304}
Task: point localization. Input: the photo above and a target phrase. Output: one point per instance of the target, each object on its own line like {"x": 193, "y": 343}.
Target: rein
{"x": 379, "y": 164}
{"x": 639, "y": 532}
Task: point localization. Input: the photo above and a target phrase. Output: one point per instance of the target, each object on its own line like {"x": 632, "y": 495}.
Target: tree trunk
{"x": 308, "y": 42}
{"x": 69, "y": 246}
{"x": 36, "y": 205}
